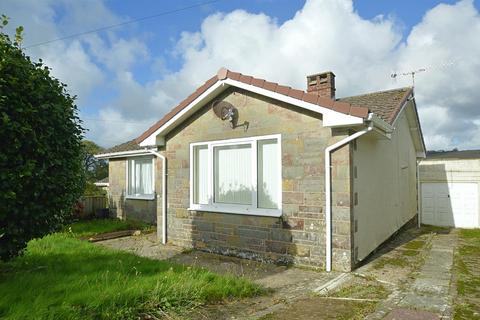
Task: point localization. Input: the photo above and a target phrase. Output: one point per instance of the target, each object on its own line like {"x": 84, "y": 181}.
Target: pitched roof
{"x": 385, "y": 104}
{"x": 126, "y": 146}
{"x": 454, "y": 154}
{"x": 339, "y": 106}
{"x": 104, "y": 180}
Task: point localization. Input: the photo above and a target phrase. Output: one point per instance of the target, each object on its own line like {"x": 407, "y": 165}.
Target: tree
{"x": 41, "y": 158}
{"x": 95, "y": 169}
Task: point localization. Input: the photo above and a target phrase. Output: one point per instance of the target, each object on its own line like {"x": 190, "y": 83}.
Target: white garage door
{"x": 450, "y": 204}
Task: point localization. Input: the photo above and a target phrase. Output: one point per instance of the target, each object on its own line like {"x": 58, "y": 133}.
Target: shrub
{"x": 41, "y": 171}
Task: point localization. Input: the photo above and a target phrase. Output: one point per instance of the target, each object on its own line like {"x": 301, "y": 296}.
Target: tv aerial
{"x": 394, "y": 75}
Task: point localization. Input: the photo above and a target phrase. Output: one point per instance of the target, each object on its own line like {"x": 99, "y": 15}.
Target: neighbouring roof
{"x": 385, "y": 104}
{"x": 336, "y": 105}
{"x": 126, "y": 146}
{"x": 101, "y": 181}
{"x": 454, "y": 154}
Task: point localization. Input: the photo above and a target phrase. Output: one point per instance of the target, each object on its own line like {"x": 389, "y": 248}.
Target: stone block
{"x": 299, "y": 250}
{"x": 293, "y": 197}
{"x": 314, "y": 198}
{"x": 276, "y": 247}
{"x": 202, "y": 226}
{"x": 289, "y": 185}
{"x": 281, "y": 235}
{"x": 293, "y": 172}
{"x": 251, "y": 233}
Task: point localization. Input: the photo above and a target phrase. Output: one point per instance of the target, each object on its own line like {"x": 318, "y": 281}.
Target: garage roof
{"x": 453, "y": 154}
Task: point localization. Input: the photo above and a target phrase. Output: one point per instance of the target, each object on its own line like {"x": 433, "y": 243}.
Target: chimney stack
{"x": 322, "y": 84}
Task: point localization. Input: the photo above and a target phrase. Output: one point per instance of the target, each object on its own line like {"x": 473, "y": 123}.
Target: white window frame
{"x": 139, "y": 196}
{"x": 251, "y": 209}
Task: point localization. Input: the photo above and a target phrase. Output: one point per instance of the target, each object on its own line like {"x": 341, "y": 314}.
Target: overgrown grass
{"x": 61, "y": 277}
{"x": 400, "y": 262}
{"x": 414, "y": 245}
{"x": 90, "y": 228}
{"x": 362, "y": 289}
{"x": 467, "y": 262}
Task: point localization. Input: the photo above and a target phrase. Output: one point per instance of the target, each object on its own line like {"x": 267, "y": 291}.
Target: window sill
{"x": 237, "y": 210}
{"x": 145, "y": 197}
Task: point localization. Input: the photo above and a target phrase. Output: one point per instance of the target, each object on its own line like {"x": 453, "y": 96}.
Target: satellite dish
{"x": 225, "y": 111}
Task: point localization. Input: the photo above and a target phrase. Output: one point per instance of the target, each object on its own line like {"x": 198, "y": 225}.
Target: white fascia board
{"x": 331, "y": 118}
{"x": 152, "y": 140}
{"x": 381, "y": 124}
{"x": 122, "y": 154}
{"x": 405, "y": 104}
{"x": 421, "y": 155}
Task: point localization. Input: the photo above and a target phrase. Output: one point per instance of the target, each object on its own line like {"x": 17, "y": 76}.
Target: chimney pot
{"x": 322, "y": 84}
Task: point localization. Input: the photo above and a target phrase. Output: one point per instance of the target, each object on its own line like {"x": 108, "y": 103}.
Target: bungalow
{"x": 251, "y": 168}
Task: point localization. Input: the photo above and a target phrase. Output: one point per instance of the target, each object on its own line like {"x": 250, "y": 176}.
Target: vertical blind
{"x": 268, "y": 179}
{"x": 232, "y": 174}
{"x": 200, "y": 178}
{"x": 140, "y": 176}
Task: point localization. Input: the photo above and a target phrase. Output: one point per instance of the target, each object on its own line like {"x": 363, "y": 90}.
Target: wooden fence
{"x": 91, "y": 204}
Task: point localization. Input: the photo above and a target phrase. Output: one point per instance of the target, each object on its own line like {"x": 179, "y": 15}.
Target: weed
{"x": 392, "y": 261}
{"x": 61, "y": 277}
{"x": 98, "y": 226}
{"x": 414, "y": 245}
{"x": 467, "y": 275}
{"x": 410, "y": 253}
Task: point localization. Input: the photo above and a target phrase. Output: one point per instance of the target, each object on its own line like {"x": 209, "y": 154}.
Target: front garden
{"x": 62, "y": 277}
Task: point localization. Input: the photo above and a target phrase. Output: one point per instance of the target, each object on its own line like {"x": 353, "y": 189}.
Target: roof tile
{"x": 257, "y": 82}
{"x": 385, "y": 104}
{"x": 126, "y": 146}
{"x": 297, "y": 94}
{"x": 310, "y": 98}
{"x": 361, "y": 112}
{"x": 342, "y": 107}
{"x": 233, "y": 75}
{"x": 282, "y": 89}
{"x": 325, "y": 102}
{"x": 271, "y": 86}
{"x": 246, "y": 79}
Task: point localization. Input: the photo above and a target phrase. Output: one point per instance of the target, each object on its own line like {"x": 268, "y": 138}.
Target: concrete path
{"x": 430, "y": 295}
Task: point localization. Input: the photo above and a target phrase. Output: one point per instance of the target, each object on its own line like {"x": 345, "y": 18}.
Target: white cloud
{"x": 110, "y": 124}
{"x": 330, "y": 35}
{"x": 323, "y": 35}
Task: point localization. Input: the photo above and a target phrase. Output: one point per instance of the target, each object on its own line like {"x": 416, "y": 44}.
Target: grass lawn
{"x": 467, "y": 269}
{"x": 61, "y": 277}
{"x": 90, "y": 228}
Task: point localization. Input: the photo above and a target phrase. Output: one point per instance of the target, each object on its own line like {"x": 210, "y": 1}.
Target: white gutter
{"x": 328, "y": 191}
{"x": 122, "y": 154}
{"x": 164, "y": 195}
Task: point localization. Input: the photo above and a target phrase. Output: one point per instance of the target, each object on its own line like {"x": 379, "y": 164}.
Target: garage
{"x": 450, "y": 189}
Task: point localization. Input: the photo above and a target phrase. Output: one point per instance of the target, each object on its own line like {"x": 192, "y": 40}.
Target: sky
{"x": 127, "y": 77}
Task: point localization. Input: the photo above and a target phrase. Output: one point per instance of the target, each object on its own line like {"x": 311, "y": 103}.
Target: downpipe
{"x": 328, "y": 192}
{"x": 164, "y": 194}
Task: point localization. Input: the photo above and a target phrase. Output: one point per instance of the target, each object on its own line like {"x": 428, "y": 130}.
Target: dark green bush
{"x": 41, "y": 168}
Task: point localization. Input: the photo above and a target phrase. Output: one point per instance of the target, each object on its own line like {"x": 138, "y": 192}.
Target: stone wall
{"x": 123, "y": 208}
{"x": 299, "y": 235}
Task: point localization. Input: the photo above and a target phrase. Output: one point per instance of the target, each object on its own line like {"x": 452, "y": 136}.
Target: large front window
{"x": 237, "y": 176}
{"x": 140, "y": 178}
